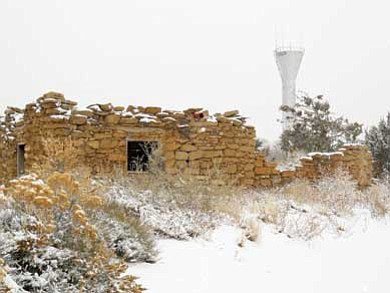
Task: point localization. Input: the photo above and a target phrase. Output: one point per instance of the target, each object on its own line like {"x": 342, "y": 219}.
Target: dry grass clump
{"x": 335, "y": 193}
{"x": 304, "y": 209}
{"x": 177, "y": 206}
{"x": 377, "y": 197}
{"x": 339, "y": 194}
{"x": 184, "y": 188}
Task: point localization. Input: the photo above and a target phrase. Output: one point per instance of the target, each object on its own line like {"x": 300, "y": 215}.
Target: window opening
{"x": 139, "y": 154}
{"x": 20, "y": 153}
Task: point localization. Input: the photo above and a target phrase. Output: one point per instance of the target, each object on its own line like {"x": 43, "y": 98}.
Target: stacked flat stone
{"x": 190, "y": 141}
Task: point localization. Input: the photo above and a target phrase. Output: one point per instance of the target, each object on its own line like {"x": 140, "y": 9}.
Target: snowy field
{"x": 358, "y": 261}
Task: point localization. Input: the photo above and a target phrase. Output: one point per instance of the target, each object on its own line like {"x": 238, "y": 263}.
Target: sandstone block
{"x": 55, "y": 111}
{"x": 108, "y": 144}
{"x": 230, "y": 153}
{"x": 112, "y": 119}
{"x": 266, "y": 182}
{"x": 231, "y": 169}
{"x": 231, "y": 113}
{"x": 50, "y": 104}
{"x": 233, "y": 146}
{"x": 259, "y": 163}
{"x": 181, "y": 165}
{"x": 128, "y": 120}
{"x": 288, "y": 174}
{"x": 130, "y": 109}
{"x": 171, "y": 146}
{"x": 170, "y": 163}
{"x": 93, "y": 144}
{"x": 247, "y": 149}
{"x": 248, "y": 182}
{"x": 78, "y": 119}
{"x": 106, "y": 107}
{"x": 188, "y": 148}
{"x": 152, "y": 110}
{"x": 79, "y": 134}
{"x": 119, "y": 108}
{"x": 249, "y": 167}
{"x": 196, "y": 155}
{"x": 223, "y": 119}
{"x": 117, "y": 157}
{"x": 212, "y": 154}
{"x": 54, "y": 95}
{"x": 262, "y": 171}
{"x": 181, "y": 156}
{"x": 87, "y": 113}
{"x": 270, "y": 164}
{"x": 169, "y": 156}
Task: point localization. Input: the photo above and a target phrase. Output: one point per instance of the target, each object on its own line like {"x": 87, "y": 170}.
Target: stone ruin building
{"x": 189, "y": 141}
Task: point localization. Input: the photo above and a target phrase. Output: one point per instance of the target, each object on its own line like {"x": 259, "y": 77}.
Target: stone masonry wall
{"x": 190, "y": 141}
{"x": 356, "y": 159}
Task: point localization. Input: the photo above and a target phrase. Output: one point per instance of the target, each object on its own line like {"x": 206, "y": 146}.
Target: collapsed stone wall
{"x": 355, "y": 159}
{"x": 190, "y": 141}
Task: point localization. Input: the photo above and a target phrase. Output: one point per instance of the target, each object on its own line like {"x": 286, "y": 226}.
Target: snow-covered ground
{"x": 357, "y": 261}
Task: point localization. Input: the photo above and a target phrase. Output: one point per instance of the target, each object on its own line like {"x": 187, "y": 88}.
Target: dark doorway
{"x": 139, "y": 154}
{"x": 20, "y": 154}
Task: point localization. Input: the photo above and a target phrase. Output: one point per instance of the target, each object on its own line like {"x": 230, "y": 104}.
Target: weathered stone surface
{"x": 94, "y": 144}
{"x": 128, "y": 120}
{"x": 196, "y": 155}
{"x": 119, "y": 108}
{"x": 87, "y": 113}
{"x": 231, "y": 113}
{"x": 232, "y": 169}
{"x": 78, "y": 119}
{"x": 223, "y": 119}
{"x": 181, "y": 156}
{"x": 55, "y": 111}
{"x": 113, "y": 118}
{"x": 188, "y": 148}
{"x": 106, "y": 107}
{"x": 152, "y": 110}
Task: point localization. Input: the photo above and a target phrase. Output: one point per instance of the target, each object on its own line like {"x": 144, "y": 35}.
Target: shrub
{"x": 315, "y": 129}
{"x": 49, "y": 241}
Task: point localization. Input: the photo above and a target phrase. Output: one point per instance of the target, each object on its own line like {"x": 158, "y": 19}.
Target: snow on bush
{"x": 50, "y": 243}
{"x": 161, "y": 211}
{"x": 304, "y": 209}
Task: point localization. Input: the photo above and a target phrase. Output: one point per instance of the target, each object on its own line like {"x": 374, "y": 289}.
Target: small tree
{"x": 378, "y": 140}
{"x": 314, "y": 127}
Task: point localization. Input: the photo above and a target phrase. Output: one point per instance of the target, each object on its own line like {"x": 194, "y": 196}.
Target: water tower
{"x": 288, "y": 59}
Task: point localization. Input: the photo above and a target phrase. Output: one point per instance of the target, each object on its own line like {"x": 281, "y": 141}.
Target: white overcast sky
{"x": 211, "y": 53}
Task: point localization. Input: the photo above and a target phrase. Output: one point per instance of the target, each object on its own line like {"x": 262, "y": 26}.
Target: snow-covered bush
{"x": 167, "y": 211}
{"x": 49, "y": 241}
{"x": 125, "y": 234}
{"x": 304, "y": 209}
{"x": 377, "y": 197}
